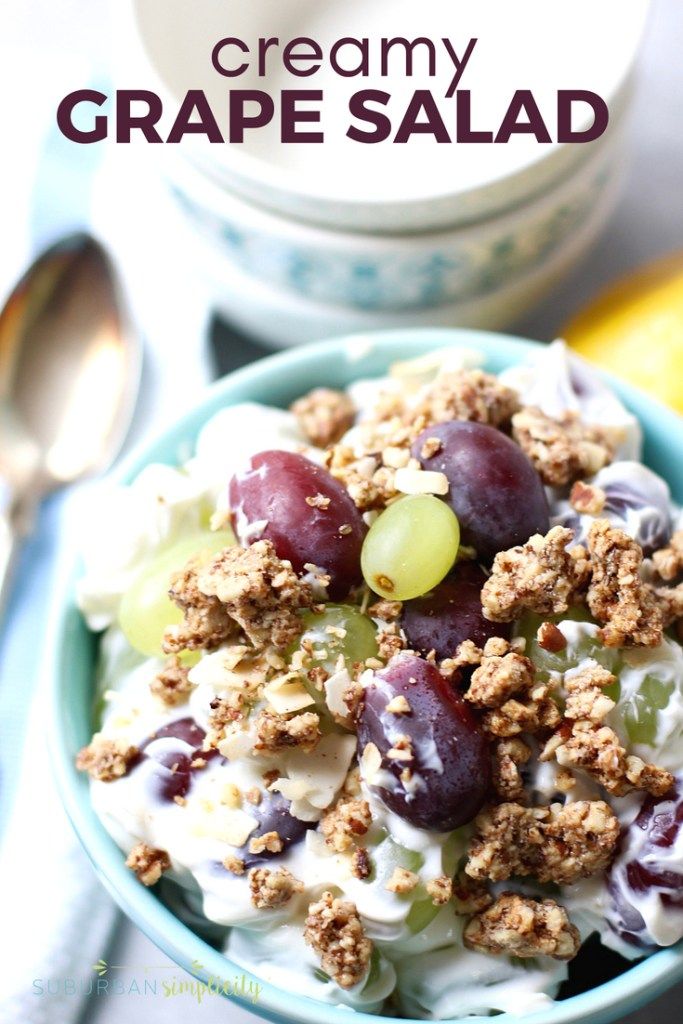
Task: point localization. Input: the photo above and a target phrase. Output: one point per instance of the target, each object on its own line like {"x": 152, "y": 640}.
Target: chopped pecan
{"x": 361, "y": 866}
{"x": 171, "y": 685}
{"x": 440, "y": 890}
{"x": 550, "y": 638}
{"x": 402, "y": 881}
{"x": 387, "y": 611}
{"x": 588, "y": 499}
{"x": 267, "y": 842}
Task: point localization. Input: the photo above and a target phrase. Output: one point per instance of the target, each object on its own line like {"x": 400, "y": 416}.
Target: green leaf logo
{"x": 100, "y": 968}
{"x": 197, "y": 966}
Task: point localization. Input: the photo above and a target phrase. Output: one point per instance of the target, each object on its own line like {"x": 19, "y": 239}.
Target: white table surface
{"x": 647, "y": 223}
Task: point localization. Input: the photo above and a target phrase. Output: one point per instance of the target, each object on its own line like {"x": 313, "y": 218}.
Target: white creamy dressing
{"x": 558, "y": 381}
{"x": 432, "y": 973}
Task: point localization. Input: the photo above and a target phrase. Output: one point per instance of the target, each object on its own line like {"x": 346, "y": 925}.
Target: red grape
{"x": 273, "y": 492}
{"x": 451, "y": 613}
{"x": 273, "y": 816}
{"x": 495, "y": 491}
{"x": 173, "y": 774}
{"x": 450, "y": 763}
{"x": 649, "y": 866}
{"x": 183, "y": 742}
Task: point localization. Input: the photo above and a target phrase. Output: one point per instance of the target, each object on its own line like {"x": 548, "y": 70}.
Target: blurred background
{"x": 220, "y": 264}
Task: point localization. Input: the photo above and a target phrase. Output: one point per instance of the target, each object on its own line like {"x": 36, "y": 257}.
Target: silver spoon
{"x": 69, "y": 375}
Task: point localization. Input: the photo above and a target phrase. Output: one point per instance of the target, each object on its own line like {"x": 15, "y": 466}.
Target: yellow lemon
{"x": 635, "y": 329}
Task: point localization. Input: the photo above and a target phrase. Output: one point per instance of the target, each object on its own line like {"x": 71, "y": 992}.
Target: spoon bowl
{"x": 69, "y": 374}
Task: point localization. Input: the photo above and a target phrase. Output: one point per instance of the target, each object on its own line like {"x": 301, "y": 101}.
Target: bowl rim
{"x": 638, "y": 984}
{"x": 232, "y": 163}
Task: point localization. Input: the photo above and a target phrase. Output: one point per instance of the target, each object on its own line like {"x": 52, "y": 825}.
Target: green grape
{"x": 421, "y": 914}
{"x": 561, "y": 661}
{"x": 641, "y": 711}
{"x": 146, "y": 609}
{"x": 389, "y": 855}
{"x": 324, "y": 631}
{"x": 410, "y": 547}
{"x": 375, "y": 969}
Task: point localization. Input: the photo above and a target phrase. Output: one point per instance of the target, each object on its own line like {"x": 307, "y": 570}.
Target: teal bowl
{"x": 277, "y": 380}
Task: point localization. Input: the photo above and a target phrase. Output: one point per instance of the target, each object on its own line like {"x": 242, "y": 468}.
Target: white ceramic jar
{"x": 166, "y": 45}
{"x": 376, "y": 272}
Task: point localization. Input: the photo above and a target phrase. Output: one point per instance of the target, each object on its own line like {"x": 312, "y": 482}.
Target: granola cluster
{"x": 242, "y": 593}
{"x": 541, "y": 576}
{"x": 276, "y": 732}
{"x": 471, "y": 395}
{"x": 502, "y": 672}
{"x": 668, "y": 561}
{"x": 346, "y": 822}
{"x": 546, "y": 576}
{"x": 172, "y": 685}
{"x": 561, "y": 449}
{"x": 617, "y": 596}
{"x": 272, "y": 889}
{"x": 597, "y": 750}
{"x": 324, "y": 415}
{"x": 509, "y": 757}
{"x": 334, "y": 930}
{"x": 557, "y": 844}
{"x": 106, "y": 760}
{"x": 148, "y": 863}
{"x": 520, "y": 926}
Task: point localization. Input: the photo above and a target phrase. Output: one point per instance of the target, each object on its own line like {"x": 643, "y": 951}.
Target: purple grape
{"x": 173, "y": 771}
{"x": 495, "y": 491}
{"x": 451, "y": 613}
{"x": 450, "y": 757}
{"x": 173, "y": 774}
{"x": 273, "y": 815}
{"x": 637, "y": 501}
{"x": 650, "y": 864}
{"x": 273, "y": 491}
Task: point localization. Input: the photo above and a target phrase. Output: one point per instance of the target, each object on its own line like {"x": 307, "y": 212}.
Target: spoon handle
{"x": 16, "y": 520}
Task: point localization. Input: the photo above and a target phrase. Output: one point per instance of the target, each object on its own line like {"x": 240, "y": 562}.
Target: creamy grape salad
{"x": 391, "y": 685}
